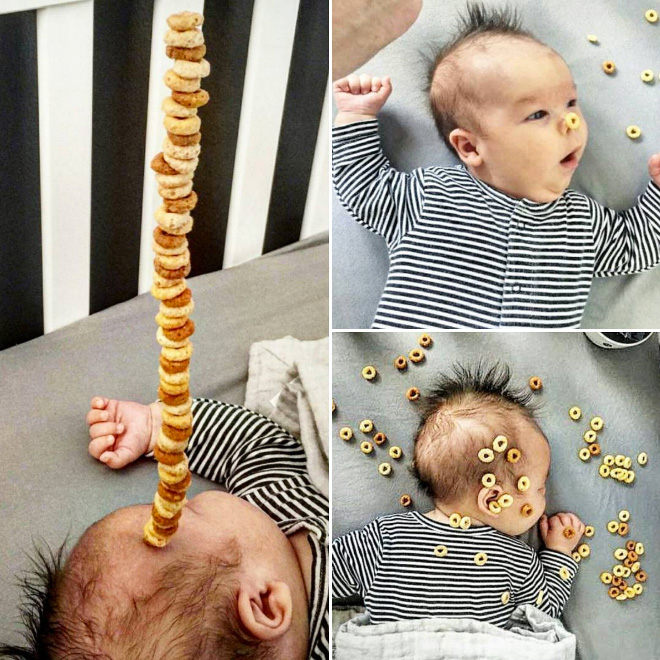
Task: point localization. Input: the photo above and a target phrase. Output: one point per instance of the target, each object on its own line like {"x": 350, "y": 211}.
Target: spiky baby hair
{"x": 462, "y": 414}
{"x": 453, "y": 96}
{"x": 70, "y": 612}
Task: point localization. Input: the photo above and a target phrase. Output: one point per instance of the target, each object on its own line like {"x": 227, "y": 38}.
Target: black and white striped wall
{"x": 80, "y": 111}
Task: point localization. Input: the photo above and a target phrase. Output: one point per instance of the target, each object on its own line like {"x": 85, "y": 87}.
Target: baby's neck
{"x": 441, "y": 512}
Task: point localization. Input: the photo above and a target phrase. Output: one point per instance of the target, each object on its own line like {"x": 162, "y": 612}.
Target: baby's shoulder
{"x": 515, "y": 545}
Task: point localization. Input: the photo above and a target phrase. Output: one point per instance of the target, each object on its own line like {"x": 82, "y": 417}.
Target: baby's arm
{"x": 629, "y": 241}
{"x": 355, "y": 558}
{"x": 551, "y": 572}
{"x": 384, "y": 200}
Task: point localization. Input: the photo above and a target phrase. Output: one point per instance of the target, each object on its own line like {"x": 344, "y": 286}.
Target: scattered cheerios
{"x": 589, "y": 531}
{"x": 647, "y": 75}
{"x": 575, "y": 413}
{"x": 480, "y": 558}
{"x": 590, "y": 436}
{"x": 500, "y": 443}
{"x": 401, "y": 363}
{"x": 606, "y": 578}
{"x": 597, "y": 423}
{"x": 345, "y": 433}
{"x": 379, "y": 438}
{"x": 366, "y": 426}
{"x": 539, "y": 599}
{"x": 604, "y": 471}
{"x": 527, "y": 510}
{"x": 623, "y": 529}
{"x": 440, "y": 550}
{"x": 366, "y": 447}
{"x": 564, "y": 573}
{"x": 465, "y": 523}
{"x": 569, "y": 533}
{"x": 624, "y": 516}
{"x": 523, "y": 484}
{"x": 416, "y": 355}
{"x": 609, "y": 67}
{"x": 576, "y": 557}
{"x": 455, "y": 519}
{"x": 613, "y": 526}
{"x": 642, "y": 458}
{"x": 633, "y": 132}
{"x": 425, "y": 340}
{"x": 486, "y": 455}
{"x": 513, "y": 455}
{"x": 405, "y": 500}
{"x": 494, "y": 507}
{"x": 505, "y": 500}
{"x": 535, "y": 383}
{"x": 572, "y": 120}
{"x": 412, "y": 394}
{"x": 385, "y": 469}
{"x": 608, "y": 460}
{"x": 651, "y": 15}
{"x": 395, "y": 452}
{"x": 505, "y": 598}
{"x": 584, "y": 454}
{"x": 488, "y": 480}
{"x": 369, "y": 372}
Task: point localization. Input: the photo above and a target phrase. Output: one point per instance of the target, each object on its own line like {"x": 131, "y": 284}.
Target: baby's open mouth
{"x": 571, "y": 160}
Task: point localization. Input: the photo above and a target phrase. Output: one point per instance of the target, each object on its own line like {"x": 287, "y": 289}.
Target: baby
{"x": 244, "y": 576}
{"x": 484, "y": 460}
{"x": 499, "y": 240}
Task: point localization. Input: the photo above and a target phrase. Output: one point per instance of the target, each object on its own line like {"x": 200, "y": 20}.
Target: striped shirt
{"x": 391, "y": 563}
{"x": 262, "y": 463}
{"x": 465, "y": 255}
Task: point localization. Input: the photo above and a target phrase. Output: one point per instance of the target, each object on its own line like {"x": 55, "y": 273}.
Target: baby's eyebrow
{"x": 525, "y": 100}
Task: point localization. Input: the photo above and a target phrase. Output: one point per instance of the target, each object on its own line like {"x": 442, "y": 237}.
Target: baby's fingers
{"x": 543, "y": 527}
{"x": 105, "y": 428}
{"x": 99, "y": 445}
{"x": 341, "y": 85}
{"x": 654, "y": 167}
{"x": 99, "y": 402}
{"x": 385, "y": 88}
{"x": 354, "y": 84}
{"x": 119, "y": 458}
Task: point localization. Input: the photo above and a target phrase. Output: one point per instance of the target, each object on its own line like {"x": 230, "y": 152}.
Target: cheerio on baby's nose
{"x": 572, "y": 121}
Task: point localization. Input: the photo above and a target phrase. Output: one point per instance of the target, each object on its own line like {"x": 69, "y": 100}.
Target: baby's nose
{"x": 572, "y": 121}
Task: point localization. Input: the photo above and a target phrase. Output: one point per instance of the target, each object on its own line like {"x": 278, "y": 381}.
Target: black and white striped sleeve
{"x": 240, "y": 449}
{"x": 355, "y": 560}
{"x": 546, "y": 585}
{"x": 384, "y": 200}
{"x": 628, "y": 242}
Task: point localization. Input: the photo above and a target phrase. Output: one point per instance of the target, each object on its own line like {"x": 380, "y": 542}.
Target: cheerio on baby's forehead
{"x": 514, "y": 70}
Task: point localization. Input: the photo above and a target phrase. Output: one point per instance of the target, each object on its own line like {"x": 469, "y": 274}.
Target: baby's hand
{"x": 552, "y": 532}
{"x": 120, "y": 431}
{"x": 654, "y": 168}
{"x": 360, "y": 98}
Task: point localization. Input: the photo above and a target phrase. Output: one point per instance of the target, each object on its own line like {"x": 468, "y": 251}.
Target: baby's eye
{"x": 539, "y": 114}
{"x": 572, "y": 103}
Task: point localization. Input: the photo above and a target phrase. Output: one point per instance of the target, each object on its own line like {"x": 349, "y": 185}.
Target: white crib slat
{"x": 10, "y": 6}
{"x": 65, "y": 55}
{"x": 266, "y": 75}
{"x": 317, "y": 206}
{"x": 160, "y": 63}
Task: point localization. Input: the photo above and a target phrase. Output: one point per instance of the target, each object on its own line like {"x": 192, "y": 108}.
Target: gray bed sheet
{"x": 50, "y": 485}
{"x": 614, "y": 168}
{"x": 621, "y": 386}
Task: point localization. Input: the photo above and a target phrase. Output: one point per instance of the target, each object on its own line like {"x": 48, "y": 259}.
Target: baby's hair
{"x": 453, "y": 99}
{"x": 462, "y": 414}
{"x": 191, "y": 615}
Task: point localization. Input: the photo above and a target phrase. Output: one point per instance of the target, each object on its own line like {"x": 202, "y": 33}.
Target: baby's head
{"x": 464, "y": 414}
{"x": 228, "y": 585}
{"x": 500, "y": 99}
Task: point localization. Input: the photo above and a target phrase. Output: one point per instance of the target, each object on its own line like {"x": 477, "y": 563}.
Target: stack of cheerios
{"x": 175, "y": 167}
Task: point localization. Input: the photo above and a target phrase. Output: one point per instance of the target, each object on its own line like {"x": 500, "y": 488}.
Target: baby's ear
{"x": 486, "y": 496}
{"x": 265, "y": 611}
{"x": 465, "y": 145}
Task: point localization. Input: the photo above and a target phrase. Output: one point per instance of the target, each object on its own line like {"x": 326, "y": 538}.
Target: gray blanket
{"x": 532, "y": 635}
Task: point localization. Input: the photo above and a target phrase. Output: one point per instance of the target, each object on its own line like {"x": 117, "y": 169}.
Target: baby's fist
{"x": 553, "y": 528}
{"x": 654, "y": 168}
{"x": 361, "y": 96}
